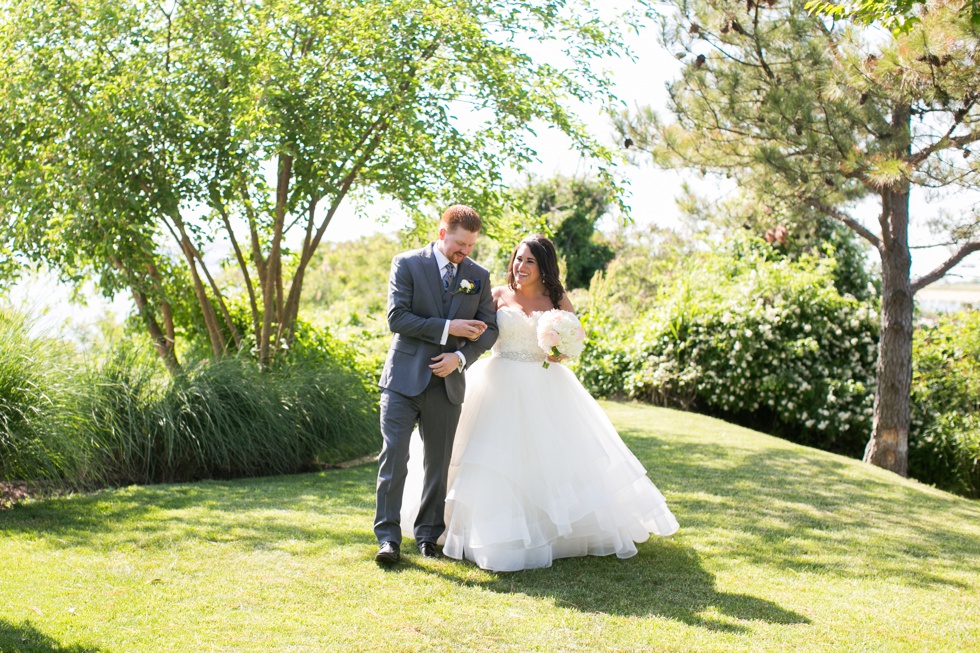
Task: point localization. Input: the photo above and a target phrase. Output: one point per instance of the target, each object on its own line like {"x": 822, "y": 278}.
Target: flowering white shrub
{"x": 769, "y": 344}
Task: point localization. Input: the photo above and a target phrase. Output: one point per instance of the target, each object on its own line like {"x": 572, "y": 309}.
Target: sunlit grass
{"x": 781, "y": 548}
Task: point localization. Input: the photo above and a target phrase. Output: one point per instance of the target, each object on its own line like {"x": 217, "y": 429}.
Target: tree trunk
{"x": 164, "y": 343}
{"x": 215, "y": 336}
{"x": 272, "y": 282}
{"x": 164, "y": 347}
{"x": 165, "y": 309}
{"x": 229, "y": 322}
{"x": 889, "y": 444}
{"x": 287, "y": 328}
{"x": 257, "y": 259}
{"x": 246, "y": 276}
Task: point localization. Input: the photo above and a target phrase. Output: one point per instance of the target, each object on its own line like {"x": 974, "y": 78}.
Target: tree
{"x": 570, "y": 208}
{"x": 791, "y": 230}
{"x": 135, "y": 136}
{"x": 806, "y": 111}
{"x": 899, "y": 16}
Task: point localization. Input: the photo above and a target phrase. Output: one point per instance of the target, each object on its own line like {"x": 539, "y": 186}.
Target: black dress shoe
{"x": 388, "y": 554}
{"x": 428, "y": 550}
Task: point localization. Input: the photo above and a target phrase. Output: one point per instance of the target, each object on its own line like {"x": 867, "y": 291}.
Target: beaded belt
{"x": 522, "y": 356}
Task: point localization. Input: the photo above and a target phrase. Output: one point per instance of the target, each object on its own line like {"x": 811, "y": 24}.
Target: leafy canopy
{"x": 899, "y": 16}
{"x": 140, "y": 141}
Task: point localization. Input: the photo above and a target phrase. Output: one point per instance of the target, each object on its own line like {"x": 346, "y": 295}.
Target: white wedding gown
{"x": 538, "y": 471}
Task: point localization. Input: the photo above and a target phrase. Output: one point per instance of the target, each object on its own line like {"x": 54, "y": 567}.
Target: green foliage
{"x": 899, "y": 16}
{"x": 568, "y": 209}
{"x": 584, "y": 256}
{"x": 34, "y": 372}
{"x": 317, "y": 347}
{"x": 854, "y": 273}
{"x": 124, "y": 420}
{"x": 646, "y": 258}
{"x": 748, "y": 335}
{"x": 944, "y": 446}
{"x": 10, "y": 267}
{"x": 348, "y": 294}
{"x": 133, "y": 136}
{"x": 353, "y": 274}
{"x": 792, "y": 229}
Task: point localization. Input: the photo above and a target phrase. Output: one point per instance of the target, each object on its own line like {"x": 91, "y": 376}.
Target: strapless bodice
{"x": 517, "y": 335}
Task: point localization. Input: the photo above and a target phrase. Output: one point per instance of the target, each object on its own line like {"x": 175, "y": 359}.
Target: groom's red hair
{"x": 460, "y": 215}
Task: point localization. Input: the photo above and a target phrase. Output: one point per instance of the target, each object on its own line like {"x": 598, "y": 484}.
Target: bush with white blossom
{"x": 767, "y": 343}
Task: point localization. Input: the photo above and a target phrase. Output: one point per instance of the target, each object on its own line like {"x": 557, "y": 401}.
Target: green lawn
{"x": 781, "y": 548}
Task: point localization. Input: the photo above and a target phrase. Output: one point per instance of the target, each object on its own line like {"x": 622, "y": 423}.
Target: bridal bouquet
{"x": 560, "y": 334}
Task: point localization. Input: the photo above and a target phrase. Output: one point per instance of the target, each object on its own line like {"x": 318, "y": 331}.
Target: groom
{"x": 442, "y": 316}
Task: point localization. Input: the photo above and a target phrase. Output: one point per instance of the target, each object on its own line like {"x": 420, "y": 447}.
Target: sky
{"x": 650, "y": 191}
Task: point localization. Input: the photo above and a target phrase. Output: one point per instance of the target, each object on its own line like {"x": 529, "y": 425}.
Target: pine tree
{"x": 807, "y": 111}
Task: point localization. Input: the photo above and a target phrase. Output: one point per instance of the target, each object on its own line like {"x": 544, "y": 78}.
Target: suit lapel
{"x": 431, "y": 270}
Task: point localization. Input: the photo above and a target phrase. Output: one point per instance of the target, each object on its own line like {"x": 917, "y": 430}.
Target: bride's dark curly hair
{"x": 543, "y": 251}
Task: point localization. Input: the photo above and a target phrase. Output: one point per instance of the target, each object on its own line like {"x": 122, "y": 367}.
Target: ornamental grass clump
{"x": 35, "y": 373}
{"x": 70, "y": 419}
{"x": 226, "y": 419}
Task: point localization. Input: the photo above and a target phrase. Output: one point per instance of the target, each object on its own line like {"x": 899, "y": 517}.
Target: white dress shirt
{"x": 442, "y": 261}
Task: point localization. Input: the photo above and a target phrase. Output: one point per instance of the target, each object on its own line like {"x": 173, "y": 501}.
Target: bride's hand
{"x": 557, "y": 359}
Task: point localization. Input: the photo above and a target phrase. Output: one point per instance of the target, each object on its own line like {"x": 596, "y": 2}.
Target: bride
{"x": 538, "y": 472}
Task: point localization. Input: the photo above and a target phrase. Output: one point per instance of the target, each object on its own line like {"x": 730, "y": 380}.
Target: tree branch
{"x": 235, "y": 335}
{"x": 192, "y": 257}
{"x": 758, "y": 46}
{"x": 944, "y": 143}
{"x": 272, "y": 301}
{"x": 851, "y": 223}
{"x": 253, "y": 230}
{"x": 240, "y": 257}
{"x": 165, "y": 308}
{"x": 163, "y": 344}
{"x": 965, "y": 250}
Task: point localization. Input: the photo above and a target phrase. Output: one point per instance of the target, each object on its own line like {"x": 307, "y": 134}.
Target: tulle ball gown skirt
{"x": 539, "y": 472}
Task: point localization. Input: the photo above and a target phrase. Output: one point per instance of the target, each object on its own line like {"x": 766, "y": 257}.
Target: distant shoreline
{"x": 948, "y": 298}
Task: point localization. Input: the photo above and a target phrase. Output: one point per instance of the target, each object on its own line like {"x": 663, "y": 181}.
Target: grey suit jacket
{"x": 417, "y": 316}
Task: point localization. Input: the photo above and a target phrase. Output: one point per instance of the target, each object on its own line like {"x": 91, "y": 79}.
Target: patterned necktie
{"x": 447, "y": 278}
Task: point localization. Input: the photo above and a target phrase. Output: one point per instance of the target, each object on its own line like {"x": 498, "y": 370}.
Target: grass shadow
{"x": 255, "y": 513}
{"x": 665, "y": 579}
{"x": 810, "y": 511}
{"x": 25, "y": 638}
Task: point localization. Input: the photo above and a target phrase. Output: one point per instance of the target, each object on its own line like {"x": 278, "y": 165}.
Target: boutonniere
{"x": 468, "y": 287}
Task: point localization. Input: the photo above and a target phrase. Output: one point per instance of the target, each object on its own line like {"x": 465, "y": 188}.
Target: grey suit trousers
{"x": 437, "y": 418}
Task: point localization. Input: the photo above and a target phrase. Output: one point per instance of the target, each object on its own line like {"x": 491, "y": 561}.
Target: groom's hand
{"x": 444, "y": 364}
{"x": 469, "y": 329}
